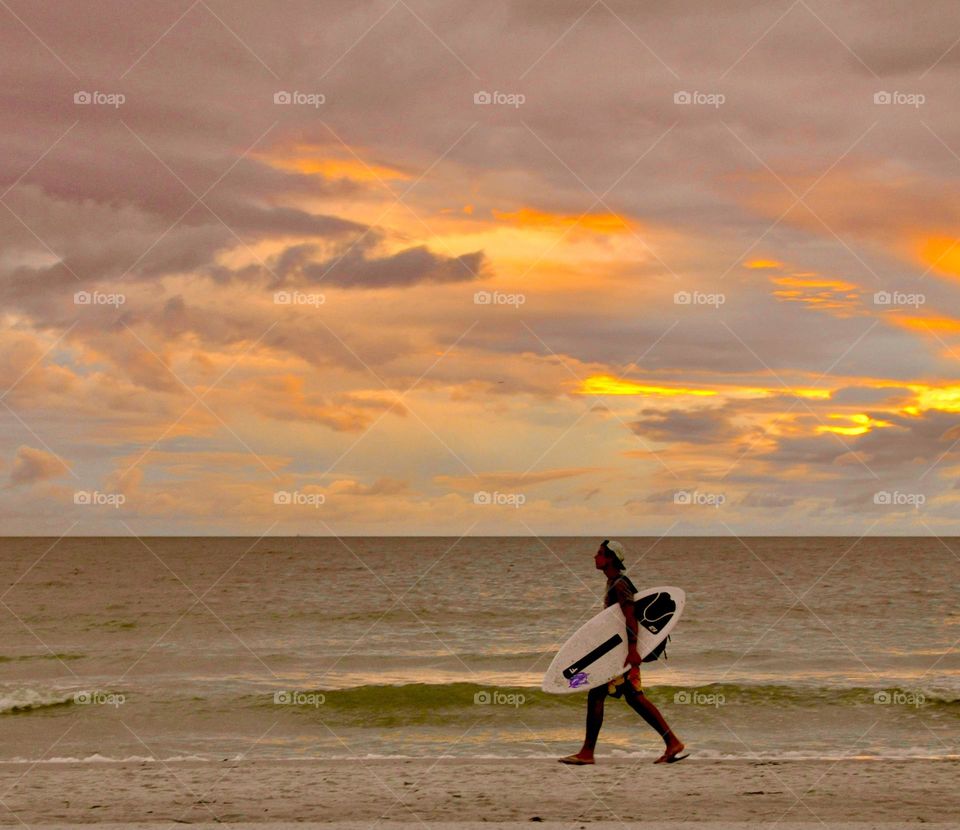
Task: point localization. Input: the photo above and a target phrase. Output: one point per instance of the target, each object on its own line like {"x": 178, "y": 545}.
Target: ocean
{"x": 290, "y": 648}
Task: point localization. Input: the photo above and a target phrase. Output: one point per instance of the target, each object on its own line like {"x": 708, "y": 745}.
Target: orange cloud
{"x": 816, "y": 291}
{"x": 859, "y": 424}
{"x": 944, "y": 398}
{"x": 948, "y": 325}
{"x": 609, "y": 385}
{"x": 312, "y": 160}
{"x": 924, "y": 396}
{"x": 942, "y": 254}
{"x": 766, "y": 392}
{"x": 810, "y": 280}
{"x": 763, "y": 264}
{"x": 512, "y": 480}
{"x": 31, "y": 465}
{"x": 608, "y": 223}
{"x": 284, "y": 398}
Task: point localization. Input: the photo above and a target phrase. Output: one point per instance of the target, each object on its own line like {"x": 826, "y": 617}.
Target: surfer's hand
{"x": 633, "y": 657}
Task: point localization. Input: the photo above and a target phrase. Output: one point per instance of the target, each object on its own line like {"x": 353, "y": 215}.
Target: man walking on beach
{"x": 609, "y": 559}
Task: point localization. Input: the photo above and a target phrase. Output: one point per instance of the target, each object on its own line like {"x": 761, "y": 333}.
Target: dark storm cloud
{"x": 408, "y": 267}
{"x": 867, "y": 396}
{"x": 358, "y": 266}
{"x": 92, "y": 243}
{"x": 707, "y": 425}
{"x": 912, "y": 443}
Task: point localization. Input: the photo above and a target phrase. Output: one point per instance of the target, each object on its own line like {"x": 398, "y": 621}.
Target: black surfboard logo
{"x": 592, "y": 656}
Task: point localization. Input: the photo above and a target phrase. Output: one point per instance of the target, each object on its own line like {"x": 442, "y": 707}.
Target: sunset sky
{"x": 685, "y": 268}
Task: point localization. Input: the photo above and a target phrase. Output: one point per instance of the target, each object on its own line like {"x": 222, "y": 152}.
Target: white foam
{"x": 97, "y": 758}
{"x": 20, "y": 700}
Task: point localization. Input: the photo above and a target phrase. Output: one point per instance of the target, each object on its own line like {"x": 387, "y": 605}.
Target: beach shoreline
{"x": 463, "y": 792}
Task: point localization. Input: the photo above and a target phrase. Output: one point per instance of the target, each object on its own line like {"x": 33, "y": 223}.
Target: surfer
{"x": 609, "y": 559}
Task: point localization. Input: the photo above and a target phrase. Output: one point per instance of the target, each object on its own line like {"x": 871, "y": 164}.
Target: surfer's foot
{"x": 578, "y": 760}
{"x": 672, "y": 753}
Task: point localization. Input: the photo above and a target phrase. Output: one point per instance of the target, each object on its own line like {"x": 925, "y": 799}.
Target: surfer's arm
{"x": 633, "y": 656}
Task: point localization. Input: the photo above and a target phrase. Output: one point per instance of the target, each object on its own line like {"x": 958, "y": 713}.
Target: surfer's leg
{"x": 645, "y": 707}
{"x": 595, "y": 699}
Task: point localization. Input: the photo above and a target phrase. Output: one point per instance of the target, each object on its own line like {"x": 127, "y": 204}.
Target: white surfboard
{"x": 597, "y": 652}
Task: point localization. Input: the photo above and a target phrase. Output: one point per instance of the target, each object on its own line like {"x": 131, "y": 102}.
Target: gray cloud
{"x": 358, "y": 267}
{"x": 706, "y": 425}
{"x": 31, "y": 465}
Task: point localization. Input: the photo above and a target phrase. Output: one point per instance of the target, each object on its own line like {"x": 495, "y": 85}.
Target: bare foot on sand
{"x": 672, "y": 753}
{"x": 580, "y": 759}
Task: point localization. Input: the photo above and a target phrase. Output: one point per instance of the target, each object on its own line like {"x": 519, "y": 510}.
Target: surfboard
{"x": 595, "y": 654}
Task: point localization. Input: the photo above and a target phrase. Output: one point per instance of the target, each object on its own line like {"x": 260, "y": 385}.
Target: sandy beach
{"x": 461, "y": 791}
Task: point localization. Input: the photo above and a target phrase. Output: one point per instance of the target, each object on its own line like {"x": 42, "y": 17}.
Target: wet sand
{"x": 463, "y": 792}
